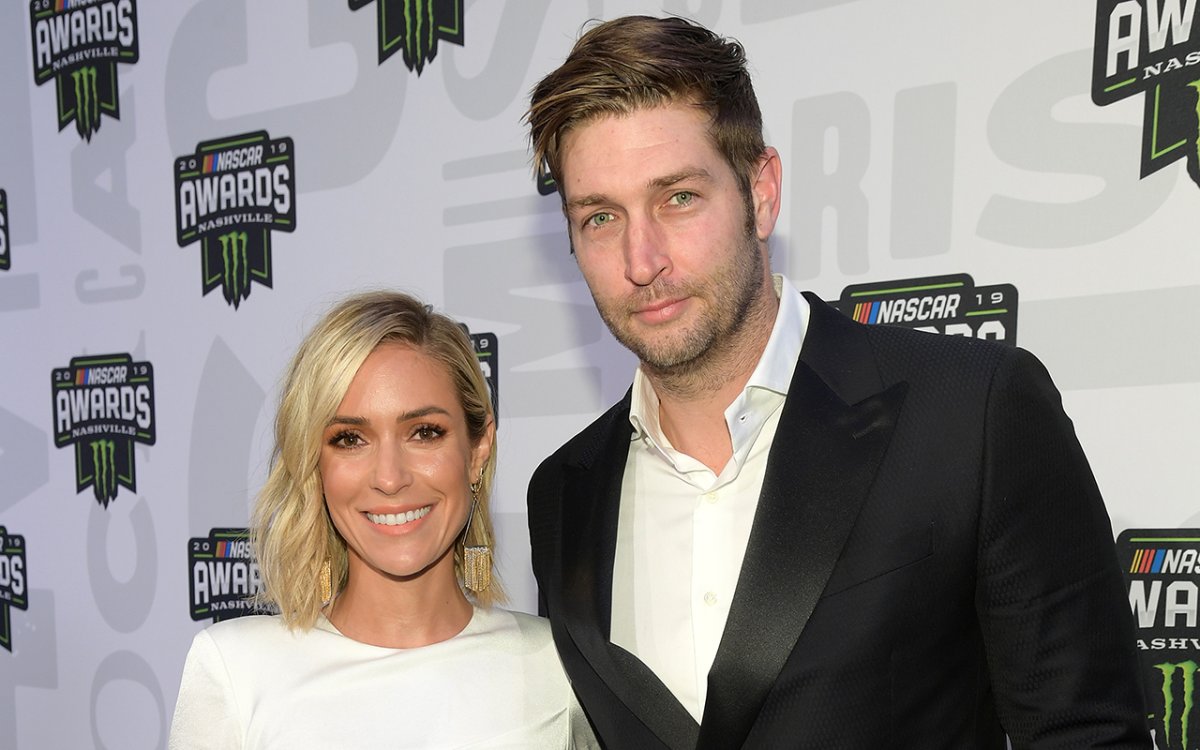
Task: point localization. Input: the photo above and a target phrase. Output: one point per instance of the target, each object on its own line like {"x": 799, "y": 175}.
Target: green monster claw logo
{"x": 1176, "y": 719}
{"x": 1152, "y": 47}
{"x": 87, "y": 101}
{"x": 236, "y": 264}
{"x": 78, "y": 45}
{"x": 104, "y": 467}
{"x": 415, "y": 27}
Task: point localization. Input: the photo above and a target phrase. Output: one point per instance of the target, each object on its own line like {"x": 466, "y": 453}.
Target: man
{"x": 795, "y": 530}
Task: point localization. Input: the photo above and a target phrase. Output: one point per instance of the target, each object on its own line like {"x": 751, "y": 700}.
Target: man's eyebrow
{"x": 696, "y": 173}
{"x": 595, "y": 199}
{"x": 586, "y": 201}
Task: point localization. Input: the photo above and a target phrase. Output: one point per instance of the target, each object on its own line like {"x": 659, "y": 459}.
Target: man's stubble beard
{"x": 695, "y": 356}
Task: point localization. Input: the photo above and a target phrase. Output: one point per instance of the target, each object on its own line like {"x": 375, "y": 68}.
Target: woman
{"x": 373, "y": 519}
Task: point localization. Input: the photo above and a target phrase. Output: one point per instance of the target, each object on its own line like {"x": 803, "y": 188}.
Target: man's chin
{"x": 665, "y": 356}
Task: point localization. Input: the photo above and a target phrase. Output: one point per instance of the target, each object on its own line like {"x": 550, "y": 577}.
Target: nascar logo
{"x": 1159, "y": 560}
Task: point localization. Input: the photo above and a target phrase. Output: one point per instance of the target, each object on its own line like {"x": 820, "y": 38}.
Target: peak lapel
{"x": 589, "y": 536}
{"x": 822, "y": 464}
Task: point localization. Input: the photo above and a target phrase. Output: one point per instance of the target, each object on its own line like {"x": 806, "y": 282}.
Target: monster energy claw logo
{"x": 102, "y": 406}
{"x": 415, "y": 27}
{"x": 1179, "y": 703}
{"x": 104, "y": 464}
{"x": 229, "y": 195}
{"x": 78, "y": 44}
{"x": 236, "y": 264}
{"x": 1147, "y": 47}
{"x": 87, "y": 101}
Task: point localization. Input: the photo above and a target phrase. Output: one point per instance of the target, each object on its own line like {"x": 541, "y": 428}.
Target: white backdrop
{"x": 919, "y": 139}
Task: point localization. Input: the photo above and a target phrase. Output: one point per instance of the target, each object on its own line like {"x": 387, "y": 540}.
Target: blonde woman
{"x": 373, "y": 521}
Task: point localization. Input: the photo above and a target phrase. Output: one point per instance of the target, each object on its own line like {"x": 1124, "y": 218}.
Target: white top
{"x": 251, "y": 683}
{"x": 682, "y": 530}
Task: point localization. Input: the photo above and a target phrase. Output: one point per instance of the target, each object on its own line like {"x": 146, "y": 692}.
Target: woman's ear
{"x": 482, "y": 452}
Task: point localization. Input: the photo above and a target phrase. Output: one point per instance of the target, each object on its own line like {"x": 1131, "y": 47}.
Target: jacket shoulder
{"x": 942, "y": 360}
{"x": 583, "y": 448}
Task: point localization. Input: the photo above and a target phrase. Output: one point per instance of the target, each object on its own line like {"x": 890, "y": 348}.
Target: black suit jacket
{"x": 930, "y": 566}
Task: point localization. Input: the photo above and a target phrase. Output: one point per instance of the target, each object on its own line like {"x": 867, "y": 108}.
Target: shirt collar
{"x": 773, "y": 371}
{"x": 778, "y": 363}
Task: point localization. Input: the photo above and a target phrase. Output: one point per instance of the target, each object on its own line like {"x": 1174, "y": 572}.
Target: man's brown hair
{"x": 639, "y": 62}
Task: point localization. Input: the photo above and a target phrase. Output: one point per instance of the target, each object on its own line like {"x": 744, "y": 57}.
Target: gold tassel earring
{"x": 477, "y": 559}
{"x": 326, "y": 582}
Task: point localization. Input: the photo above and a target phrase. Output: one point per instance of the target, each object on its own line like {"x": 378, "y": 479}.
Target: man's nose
{"x": 646, "y": 253}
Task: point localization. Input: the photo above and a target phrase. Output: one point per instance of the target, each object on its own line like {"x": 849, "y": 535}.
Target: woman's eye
{"x": 428, "y": 432}
{"x": 346, "y": 440}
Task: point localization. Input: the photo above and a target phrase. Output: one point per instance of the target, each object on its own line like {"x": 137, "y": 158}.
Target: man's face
{"x": 665, "y": 239}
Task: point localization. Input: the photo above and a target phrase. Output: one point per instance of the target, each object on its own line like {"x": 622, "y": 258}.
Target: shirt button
{"x": 742, "y": 418}
{"x": 710, "y": 497}
{"x": 710, "y": 598}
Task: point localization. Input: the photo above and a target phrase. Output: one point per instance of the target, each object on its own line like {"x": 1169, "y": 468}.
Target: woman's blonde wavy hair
{"x": 291, "y": 529}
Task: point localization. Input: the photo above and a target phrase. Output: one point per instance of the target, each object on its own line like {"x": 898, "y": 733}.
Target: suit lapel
{"x": 589, "y": 537}
{"x": 822, "y": 464}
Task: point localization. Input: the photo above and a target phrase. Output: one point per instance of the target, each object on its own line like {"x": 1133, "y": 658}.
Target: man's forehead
{"x": 600, "y": 121}
{"x": 647, "y": 148}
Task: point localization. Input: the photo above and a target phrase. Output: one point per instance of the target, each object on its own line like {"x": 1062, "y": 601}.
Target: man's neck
{"x": 692, "y": 404}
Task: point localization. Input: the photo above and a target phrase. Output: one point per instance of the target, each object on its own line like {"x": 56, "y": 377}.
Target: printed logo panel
{"x": 544, "y": 180}
{"x": 414, "y": 28}
{"x": 1152, "y": 47}
{"x": 5, "y": 258}
{"x": 950, "y": 305}
{"x": 229, "y": 196}
{"x": 1162, "y": 575}
{"x": 12, "y": 582}
{"x": 102, "y": 405}
{"x": 487, "y": 349}
{"x": 224, "y": 576}
{"x": 78, "y": 43}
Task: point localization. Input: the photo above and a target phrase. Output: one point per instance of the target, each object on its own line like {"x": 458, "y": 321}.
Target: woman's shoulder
{"x": 500, "y": 632}
{"x": 523, "y": 625}
{"x": 254, "y": 644}
{"x": 248, "y": 635}
{"x": 247, "y": 627}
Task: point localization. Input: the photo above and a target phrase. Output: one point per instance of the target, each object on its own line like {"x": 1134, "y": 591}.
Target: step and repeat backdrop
{"x": 186, "y": 186}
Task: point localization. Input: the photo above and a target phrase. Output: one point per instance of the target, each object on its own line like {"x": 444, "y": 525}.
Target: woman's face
{"x": 396, "y": 464}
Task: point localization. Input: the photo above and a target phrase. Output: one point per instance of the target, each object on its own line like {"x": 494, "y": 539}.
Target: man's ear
{"x": 766, "y": 190}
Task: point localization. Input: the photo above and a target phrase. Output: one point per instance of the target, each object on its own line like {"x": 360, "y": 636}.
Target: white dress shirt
{"x": 682, "y": 530}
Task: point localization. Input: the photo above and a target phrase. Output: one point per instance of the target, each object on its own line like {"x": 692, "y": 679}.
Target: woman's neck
{"x": 393, "y": 613}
